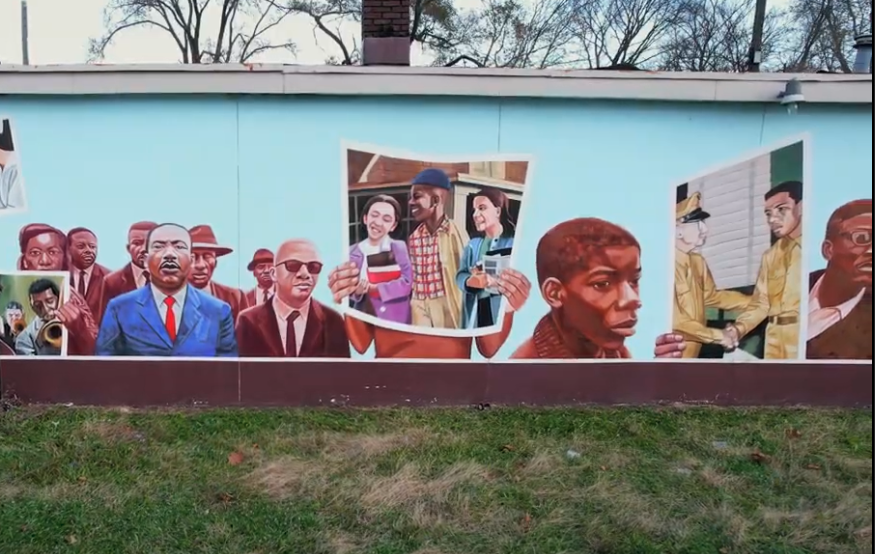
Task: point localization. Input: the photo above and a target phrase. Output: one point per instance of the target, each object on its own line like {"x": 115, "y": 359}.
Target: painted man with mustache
{"x": 588, "y": 273}
{"x": 86, "y": 275}
{"x": 168, "y": 317}
{"x": 840, "y": 297}
{"x": 206, "y": 251}
{"x": 777, "y": 296}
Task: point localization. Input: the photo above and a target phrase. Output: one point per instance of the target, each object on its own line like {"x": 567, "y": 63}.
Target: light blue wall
{"x": 261, "y": 170}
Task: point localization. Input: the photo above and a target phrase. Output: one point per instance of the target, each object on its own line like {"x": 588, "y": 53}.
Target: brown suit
{"x": 251, "y": 299}
{"x": 117, "y": 283}
{"x": 94, "y": 294}
{"x": 258, "y": 335}
{"x": 230, "y": 296}
{"x": 850, "y": 338}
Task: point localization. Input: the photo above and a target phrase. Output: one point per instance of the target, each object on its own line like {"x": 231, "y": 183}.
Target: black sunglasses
{"x": 293, "y": 266}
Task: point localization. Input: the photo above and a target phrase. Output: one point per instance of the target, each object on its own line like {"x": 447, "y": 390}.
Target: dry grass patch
{"x": 286, "y": 477}
{"x": 719, "y": 480}
{"x": 541, "y": 463}
{"x": 348, "y": 446}
{"x": 111, "y": 431}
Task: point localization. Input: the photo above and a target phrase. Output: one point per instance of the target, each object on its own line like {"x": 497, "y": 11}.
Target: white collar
{"x": 844, "y": 309}
{"x": 179, "y": 296}
{"x": 283, "y": 310}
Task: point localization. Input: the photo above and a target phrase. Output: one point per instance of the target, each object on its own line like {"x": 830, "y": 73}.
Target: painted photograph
{"x": 36, "y": 316}
{"x": 738, "y": 257}
{"x": 430, "y": 241}
{"x": 13, "y": 198}
{"x": 840, "y": 287}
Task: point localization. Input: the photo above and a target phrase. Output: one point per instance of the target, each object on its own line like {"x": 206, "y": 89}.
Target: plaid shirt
{"x": 425, "y": 256}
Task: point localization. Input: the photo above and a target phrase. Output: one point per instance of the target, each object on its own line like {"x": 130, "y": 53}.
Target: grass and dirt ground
{"x": 436, "y": 481}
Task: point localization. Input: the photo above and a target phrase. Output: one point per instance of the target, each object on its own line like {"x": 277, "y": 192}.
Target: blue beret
{"x": 433, "y": 177}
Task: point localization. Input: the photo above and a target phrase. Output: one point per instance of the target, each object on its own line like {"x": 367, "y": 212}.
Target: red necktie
{"x": 170, "y": 320}
{"x": 291, "y": 338}
{"x": 81, "y": 284}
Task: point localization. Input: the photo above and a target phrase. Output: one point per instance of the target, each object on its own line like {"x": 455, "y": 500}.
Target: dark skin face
{"x": 137, "y": 247}
{"x": 44, "y": 304}
{"x": 425, "y": 203}
{"x": 44, "y": 253}
{"x": 783, "y": 215}
{"x": 849, "y": 252}
{"x": 169, "y": 258}
{"x": 600, "y": 303}
{"x": 83, "y": 250}
{"x": 202, "y": 268}
{"x": 261, "y": 272}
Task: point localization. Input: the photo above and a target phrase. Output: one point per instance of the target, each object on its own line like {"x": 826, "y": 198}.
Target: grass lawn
{"x": 435, "y": 481}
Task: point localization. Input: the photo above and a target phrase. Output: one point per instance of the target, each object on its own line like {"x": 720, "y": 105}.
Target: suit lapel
{"x": 191, "y": 314}
{"x": 149, "y": 313}
{"x": 312, "y": 342}
{"x": 271, "y": 331}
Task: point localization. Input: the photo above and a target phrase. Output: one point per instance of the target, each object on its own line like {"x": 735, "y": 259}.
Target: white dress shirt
{"x": 820, "y": 319}
{"x": 139, "y": 276}
{"x": 76, "y": 274}
{"x": 178, "y": 305}
{"x": 283, "y": 311}
{"x": 259, "y": 295}
{"x": 11, "y": 188}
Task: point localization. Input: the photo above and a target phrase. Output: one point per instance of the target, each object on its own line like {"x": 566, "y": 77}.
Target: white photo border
{"x": 65, "y": 294}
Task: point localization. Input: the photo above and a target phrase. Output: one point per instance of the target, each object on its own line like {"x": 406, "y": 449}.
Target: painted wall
{"x": 262, "y": 171}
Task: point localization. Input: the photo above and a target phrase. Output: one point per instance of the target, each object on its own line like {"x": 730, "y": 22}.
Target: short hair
{"x": 386, "y": 199}
{"x": 142, "y": 226}
{"x": 568, "y": 248}
{"x": 76, "y": 230}
{"x": 34, "y": 230}
{"x": 14, "y": 306}
{"x": 845, "y": 212}
{"x": 792, "y": 188}
{"x": 42, "y": 285}
{"x": 157, "y": 227}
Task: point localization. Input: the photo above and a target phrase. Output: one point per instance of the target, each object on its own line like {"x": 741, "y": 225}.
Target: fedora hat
{"x": 261, "y": 256}
{"x": 203, "y": 238}
{"x": 690, "y": 210}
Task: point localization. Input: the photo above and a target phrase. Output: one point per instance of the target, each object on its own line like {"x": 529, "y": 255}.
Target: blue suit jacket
{"x": 132, "y": 326}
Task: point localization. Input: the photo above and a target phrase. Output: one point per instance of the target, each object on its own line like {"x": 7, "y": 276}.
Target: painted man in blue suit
{"x": 167, "y": 317}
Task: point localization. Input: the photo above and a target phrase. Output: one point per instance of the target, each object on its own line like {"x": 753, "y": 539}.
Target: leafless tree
{"x": 204, "y": 31}
{"x": 715, "y": 35}
{"x": 824, "y": 32}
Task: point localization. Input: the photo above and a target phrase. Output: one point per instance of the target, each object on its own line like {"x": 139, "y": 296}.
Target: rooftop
{"x": 426, "y": 81}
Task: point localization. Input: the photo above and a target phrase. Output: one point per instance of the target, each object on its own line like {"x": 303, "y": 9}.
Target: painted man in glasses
{"x": 293, "y": 324}
{"x": 840, "y": 297}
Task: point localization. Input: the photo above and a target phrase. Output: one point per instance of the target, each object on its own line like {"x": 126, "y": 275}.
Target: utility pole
{"x": 25, "y": 54}
{"x": 755, "y": 56}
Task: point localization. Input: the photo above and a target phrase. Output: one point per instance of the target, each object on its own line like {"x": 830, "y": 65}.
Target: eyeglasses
{"x": 294, "y": 266}
{"x": 859, "y": 238}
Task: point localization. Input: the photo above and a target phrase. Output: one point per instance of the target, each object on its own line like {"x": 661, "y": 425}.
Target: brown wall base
{"x": 316, "y": 383}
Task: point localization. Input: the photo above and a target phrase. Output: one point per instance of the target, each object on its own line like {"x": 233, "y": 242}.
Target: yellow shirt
{"x": 694, "y": 291}
{"x": 777, "y": 296}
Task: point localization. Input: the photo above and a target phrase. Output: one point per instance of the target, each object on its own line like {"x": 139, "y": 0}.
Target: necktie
{"x": 81, "y": 285}
{"x": 170, "y": 319}
{"x": 147, "y": 278}
{"x": 291, "y": 338}
{"x": 266, "y": 296}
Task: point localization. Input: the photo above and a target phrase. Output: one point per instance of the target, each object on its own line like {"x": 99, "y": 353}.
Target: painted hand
{"x": 363, "y": 288}
{"x": 69, "y": 315}
{"x": 514, "y": 286}
{"x": 477, "y": 280}
{"x": 730, "y": 339}
{"x": 343, "y": 281}
{"x": 669, "y": 345}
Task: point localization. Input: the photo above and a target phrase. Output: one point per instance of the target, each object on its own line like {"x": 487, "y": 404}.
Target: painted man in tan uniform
{"x": 694, "y": 287}
{"x": 778, "y": 292}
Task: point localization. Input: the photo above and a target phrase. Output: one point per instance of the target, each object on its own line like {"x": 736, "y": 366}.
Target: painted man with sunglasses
{"x": 840, "y": 298}
{"x": 167, "y": 317}
{"x": 293, "y": 324}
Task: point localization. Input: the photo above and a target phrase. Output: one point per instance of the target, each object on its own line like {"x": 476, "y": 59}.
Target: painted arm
{"x": 109, "y": 338}
{"x": 691, "y": 329}
{"x": 758, "y": 308}
{"x": 25, "y": 345}
{"x": 337, "y": 341}
{"x": 399, "y": 288}
{"x": 226, "y": 346}
{"x": 489, "y": 345}
{"x": 722, "y": 299}
{"x": 360, "y": 334}
{"x": 466, "y": 264}
{"x": 357, "y": 257}
{"x": 83, "y": 332}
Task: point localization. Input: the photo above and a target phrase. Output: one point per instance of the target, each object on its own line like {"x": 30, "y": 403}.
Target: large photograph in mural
{"x": 38, "y": 320}
{"x": 13, "y": 198}
{"x": 738, "y": 257}
{"x": 431, "y": 239}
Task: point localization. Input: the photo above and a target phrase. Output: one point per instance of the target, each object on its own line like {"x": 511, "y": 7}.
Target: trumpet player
{"x": 42, "y": 336}
{"x": 13, "y": 323}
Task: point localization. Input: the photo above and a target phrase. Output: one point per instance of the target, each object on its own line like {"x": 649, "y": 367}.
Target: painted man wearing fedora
{"x": 205, "y": 252}
{"x": 260, "y": 266}
{"x": 694, "y": 287}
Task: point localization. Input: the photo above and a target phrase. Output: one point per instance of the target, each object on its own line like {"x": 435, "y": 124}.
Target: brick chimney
{"x": 386, "y": 32}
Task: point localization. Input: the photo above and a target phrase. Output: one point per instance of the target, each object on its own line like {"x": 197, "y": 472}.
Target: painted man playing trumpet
{"x": 44, "y": 335}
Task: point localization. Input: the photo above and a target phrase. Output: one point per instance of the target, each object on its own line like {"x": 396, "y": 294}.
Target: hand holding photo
{"x": 430, "y": 239}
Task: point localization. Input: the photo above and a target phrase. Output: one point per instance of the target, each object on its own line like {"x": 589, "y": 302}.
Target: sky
{"x": 59, "y": 31}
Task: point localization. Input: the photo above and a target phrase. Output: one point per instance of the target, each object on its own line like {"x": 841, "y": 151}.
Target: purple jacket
{"x": 393, "y": 303}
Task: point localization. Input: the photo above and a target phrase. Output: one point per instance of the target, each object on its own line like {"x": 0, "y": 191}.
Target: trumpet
{"x": 18, "y": 327}
{"x": 51, "y": 333}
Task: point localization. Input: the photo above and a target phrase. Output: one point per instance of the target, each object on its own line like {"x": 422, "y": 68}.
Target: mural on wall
{"x": 840, "y": 295}
{"x": 35, "y": 317}
{"x": 738, "y": 275}
{"x": 13, "y": 198}
{"x": 431, "y": 240}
